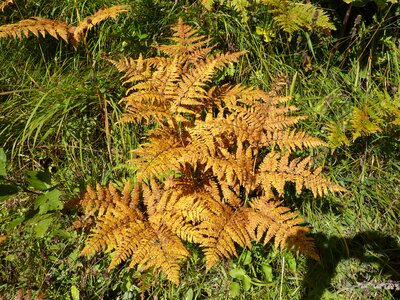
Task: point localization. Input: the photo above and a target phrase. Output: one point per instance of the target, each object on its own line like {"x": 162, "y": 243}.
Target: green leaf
{"x": 237, "y": 273}
{"x": 42, "y": 226}
{"x": 246, "y": 256}
{"x": 53, "y": 258}
{"x": 189, "y": 294}
{"x": 48, "y": 201}
{"x": 62, "y": 234}
{"x": 75, "y": 293}
{"x": 246, "y": 282}
{"x": 10, "y": 257}
{"x": 142, "y": 36}
{"x": 74, "y": 255}
{"x": 39, "y": 180}
{"x": 267, "y": 271}
{"x": 3, "y": 161}
{"x": 7, "y": 191}
{"x": 127, "y": 286}
{"x": 234, "y": 289}
{"x": 291, "y": 261}
{"x": 14, "y": 223}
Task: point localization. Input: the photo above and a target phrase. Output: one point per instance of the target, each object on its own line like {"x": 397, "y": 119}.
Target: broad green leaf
{"x": 53, "y": 258}
{"x": 234, "y": 289}
{"x": 331, "y": 296}
{"x": 246, "y": 282}
{"x": 39, "y": 180}
{"x": 14, "y": 223}
{"x": 62, "y": 234}
{"x": 189, "y": 294}
{"x": 237, "y": 273}
{"x": 75, "y": 293}
{"x": 246, "y": 256}
{"x": 42, "y": 226}
{"x": 291, "y": 261}
{"x": 3, "y": 161}
{"x": 48, "y": 201}
{"x": 7, "y": 191}
{"x": 127, "y": 285}
{"x": 267, "y": 271}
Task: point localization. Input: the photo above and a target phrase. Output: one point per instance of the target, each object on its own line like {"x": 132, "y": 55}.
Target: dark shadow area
{"x": 370, "y": 247}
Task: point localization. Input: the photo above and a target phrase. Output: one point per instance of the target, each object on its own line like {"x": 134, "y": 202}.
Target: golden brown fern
{"x": 37, "y": 26}
{"x": 58, "y": 29}
{"x": 5, "y": 3}
{"x": 89, "y": 22}
{"x": 122, "y": 227}
{"x": 210, "y": 172}
{"x": 27, "y": 296}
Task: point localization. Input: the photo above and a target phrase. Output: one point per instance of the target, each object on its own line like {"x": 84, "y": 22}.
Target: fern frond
{"x": 157, "y": 157}
{"x": 290, "y": 140}
{"x": 4, "y": 4}
{"x": 365, "y": 122}
{"x": 190, "y": 90}
{"x": 111, "y": 226}
{"x": 135, "y": 67}
{"x": 158, "y": 92}
{"x": 292, "y": 16}
{"x": 336, "y": 136}
{"x": 121, "y": 229}
{"x": 161, "y": 249}
{"x": 123, "y": 64}
{"x": 89, "y": 22}
{"x": 223, "y": 59}
{"x": 222, "y": 232}
{"x": 276, "y": 170}
{"x": 186, "y": 41}
{"x": 195, "y": 198}
{"x": 97, "y": 202}
{"x": 271, "y": 220}
{"x": 235, "y": 168}
{"x": 392, "y": 108}
{"x": 37, "y": 26}
{"x": 195, "y": 57}
{"x": 178, "y": 224}
{"x": 181, "y": 204}
{"x": 142, "y": 110}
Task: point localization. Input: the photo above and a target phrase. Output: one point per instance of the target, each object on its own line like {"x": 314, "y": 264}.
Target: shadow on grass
{"x": 369, "y": 247}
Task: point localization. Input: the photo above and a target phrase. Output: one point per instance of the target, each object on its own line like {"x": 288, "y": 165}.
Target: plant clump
{"x": 213, "y": 167}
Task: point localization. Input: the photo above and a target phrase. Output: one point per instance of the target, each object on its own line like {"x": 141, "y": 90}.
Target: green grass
{"x": 51, "y": 120}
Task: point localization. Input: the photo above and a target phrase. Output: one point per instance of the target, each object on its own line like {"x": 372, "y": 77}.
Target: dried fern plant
{"x": 58, "y": 29}
{"x": 5, "y": 3}
{"x": 210, "y": 172}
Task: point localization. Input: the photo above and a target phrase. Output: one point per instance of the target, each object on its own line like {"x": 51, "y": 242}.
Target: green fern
{"x": 240, "y": 6}
{"x": 372, "y": 117}
{"x": 292, "y": 16}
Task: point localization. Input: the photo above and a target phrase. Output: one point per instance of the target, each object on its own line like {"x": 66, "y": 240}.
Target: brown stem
{"x": 343, "y": 27}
